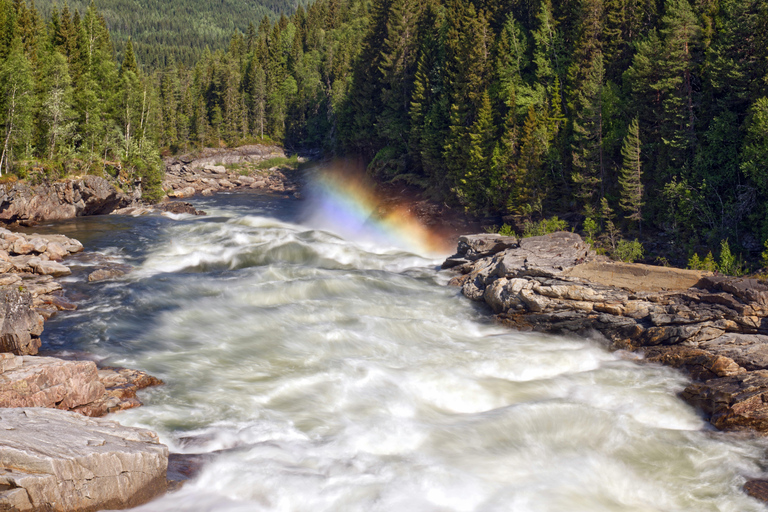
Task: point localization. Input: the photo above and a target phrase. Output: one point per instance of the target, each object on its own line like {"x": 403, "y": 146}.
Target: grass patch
{"x": 291, "y": 161}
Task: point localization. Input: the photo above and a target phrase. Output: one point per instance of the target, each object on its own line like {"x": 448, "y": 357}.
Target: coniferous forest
{"x": 627, "y": 118}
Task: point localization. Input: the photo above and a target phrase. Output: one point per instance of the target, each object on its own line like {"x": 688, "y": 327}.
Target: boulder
{"x": 20, "y": 325}
{"x": 91, "y": 195}
{"x": 60, "y": 461}
{"x": 49, "y": 268}
{"x": 50, "y": 382}
{"x": 103, "y": 274}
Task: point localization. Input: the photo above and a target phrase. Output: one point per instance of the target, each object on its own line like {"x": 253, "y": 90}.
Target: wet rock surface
{"x": 60, "y": 461}
{"x": 715, "y": 328}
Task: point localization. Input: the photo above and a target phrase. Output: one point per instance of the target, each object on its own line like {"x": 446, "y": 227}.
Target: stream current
{"x": 320, "y": 373}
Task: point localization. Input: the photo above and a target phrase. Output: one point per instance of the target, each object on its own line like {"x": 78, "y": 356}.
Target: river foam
{"x": 322, "y": 374}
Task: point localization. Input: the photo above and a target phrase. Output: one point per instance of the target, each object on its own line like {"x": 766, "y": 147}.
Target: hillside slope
{"x": 161, "y": 30}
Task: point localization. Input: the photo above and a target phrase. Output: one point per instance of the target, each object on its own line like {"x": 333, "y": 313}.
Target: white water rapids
{"x": 325, "y": 375}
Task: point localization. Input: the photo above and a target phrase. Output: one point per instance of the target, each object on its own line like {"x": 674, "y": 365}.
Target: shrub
{"x": 729, "y": 264}
{"x": 628, "y": 251}
{"x": 708, "y": 263}
{"x": 544, "y": 227}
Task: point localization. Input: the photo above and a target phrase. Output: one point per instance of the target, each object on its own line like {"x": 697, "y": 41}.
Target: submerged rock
{"x": 715, "y": 328}
{"x": 60, "y": 461}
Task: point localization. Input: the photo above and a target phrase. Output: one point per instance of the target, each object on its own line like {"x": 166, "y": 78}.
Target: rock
{"x": 22, "y": 246}
{"x": 9, "y": 361}
{"x": 758, "y": 489}
{"x": 215, "y": 169}
{"x": 20, "y": 325}
{"x": 49, "y": 268}
{"x": 182, "y": 193}
{"x": 699, "y": 364}
{"x": 105, "y": 273}
{"x": 208, "y": 191}
{"x": 733, "y": 403}
{"x": 750, "y": 351}
{"x": 60, "y": 461}
{"x": 50, "y": 382}
{"x": 224, "y": 183}
{"x": 55, "y": 251}
{"x": 91, "y": 195}
{"x": 179, "y": 207}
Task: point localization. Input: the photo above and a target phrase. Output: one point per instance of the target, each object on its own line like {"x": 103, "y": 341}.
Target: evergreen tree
{"x": 587, "y": 148}
{"x": 630, "y": 177}
{"x": 129, "y": 60}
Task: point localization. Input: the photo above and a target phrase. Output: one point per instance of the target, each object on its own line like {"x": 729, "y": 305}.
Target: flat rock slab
{"x": 635, "y": 276}
{"x": 61, "y": 461}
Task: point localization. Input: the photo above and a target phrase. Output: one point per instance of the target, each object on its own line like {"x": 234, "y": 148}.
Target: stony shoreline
{"x": 713, "y": 328}
{"x": 46, "y": 402}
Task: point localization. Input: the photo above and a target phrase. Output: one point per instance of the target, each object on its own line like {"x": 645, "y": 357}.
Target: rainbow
{"x": 344, "y": 202}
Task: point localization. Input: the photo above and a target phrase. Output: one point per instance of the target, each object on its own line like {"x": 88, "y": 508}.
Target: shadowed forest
{"x": 627, "y": 119}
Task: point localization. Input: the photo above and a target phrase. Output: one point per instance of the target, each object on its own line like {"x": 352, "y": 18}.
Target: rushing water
{"x": 324, "y": 374}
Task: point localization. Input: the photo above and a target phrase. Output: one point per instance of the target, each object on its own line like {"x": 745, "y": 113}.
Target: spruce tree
{"x": 630, "y": 176}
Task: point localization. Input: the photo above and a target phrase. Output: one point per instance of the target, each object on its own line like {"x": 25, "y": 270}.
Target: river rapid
{"x": 323, "y": 372}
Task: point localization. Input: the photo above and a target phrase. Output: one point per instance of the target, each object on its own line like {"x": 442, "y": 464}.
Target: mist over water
{"x": 325, "y": 374}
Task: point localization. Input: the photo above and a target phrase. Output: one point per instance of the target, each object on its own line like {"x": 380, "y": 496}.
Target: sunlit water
{"x": 326, "y": 375}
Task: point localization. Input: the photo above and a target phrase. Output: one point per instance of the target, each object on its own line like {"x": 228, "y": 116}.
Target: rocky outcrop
{"x": 31, "y": 381}
{"x": 91, "y": 195}
{"x": 28, "y": 291}
{"x": 205, "y": 173}
{"x": 713, "y": 327}
{"x": 59, "y": 461}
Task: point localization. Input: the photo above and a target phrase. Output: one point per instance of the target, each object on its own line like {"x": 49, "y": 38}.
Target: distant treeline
{"x": 164, "y": 31}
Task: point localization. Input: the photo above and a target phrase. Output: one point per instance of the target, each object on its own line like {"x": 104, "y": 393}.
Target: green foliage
{"x": 506, "y": 230}
{"x": 628, "y": 251}
{"x": 729, "y": 264}
{"x": 291, "y": 161}
{"x": 764, "y": 255}
{"x": 544, "y": 227}
{"x": 591, "y": 228}
{"x": 708, "y": 263}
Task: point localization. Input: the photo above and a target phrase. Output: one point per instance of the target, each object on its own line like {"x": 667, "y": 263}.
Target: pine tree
{"x": 398, "y": 64}
{"x": 630, "y": 177}
{"x": 754, "y": 156}
{"x": 129, "y": 60}
{"x": 587, "y": 148}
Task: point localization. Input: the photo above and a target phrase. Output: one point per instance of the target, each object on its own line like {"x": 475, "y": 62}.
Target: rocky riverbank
{"x": 715, "y": 328}
{"x": 58, "y": 460}
{"x": 212, "y": 170}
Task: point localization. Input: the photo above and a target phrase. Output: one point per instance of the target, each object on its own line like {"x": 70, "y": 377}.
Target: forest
{"x": 627, "y": 119}
{"x": 163, "y": 32}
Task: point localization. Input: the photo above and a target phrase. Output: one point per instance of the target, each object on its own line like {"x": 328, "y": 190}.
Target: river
{"x": 322, "y": 371}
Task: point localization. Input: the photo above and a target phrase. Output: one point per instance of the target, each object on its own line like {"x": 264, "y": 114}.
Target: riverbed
{"x": 322, "y": 369}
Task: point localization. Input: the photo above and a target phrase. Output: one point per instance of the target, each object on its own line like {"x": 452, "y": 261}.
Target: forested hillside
{"x": 629, "y": 118}
{"x": 177, "y": 30}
